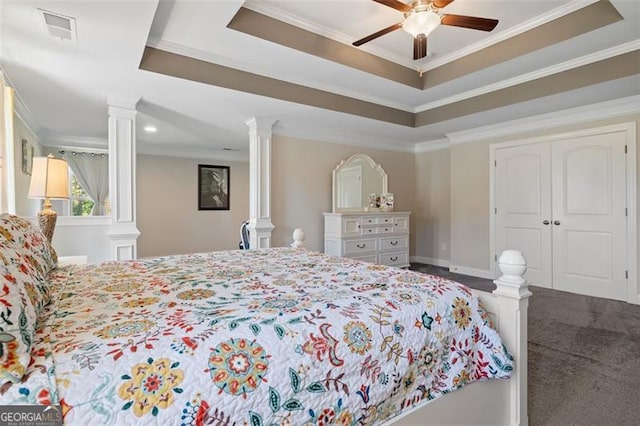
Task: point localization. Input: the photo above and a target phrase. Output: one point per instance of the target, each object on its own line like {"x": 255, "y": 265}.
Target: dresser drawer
{"x": 401, "y": 223}
{"x": 369, "y": 220}
{"x": 360, "y": 246}
{"x": 368, "y": 230}
{"x": 386, "y": 229}
{"x": 394, "y": 259}
{"x": 351, "y": 226}
{"x": 394, "y": 243}
{"x": 388, "y": 220}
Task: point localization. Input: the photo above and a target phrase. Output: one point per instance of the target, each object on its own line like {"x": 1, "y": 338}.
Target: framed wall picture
{"x": 27, "y": 157}
{"x": 213, "y": 187}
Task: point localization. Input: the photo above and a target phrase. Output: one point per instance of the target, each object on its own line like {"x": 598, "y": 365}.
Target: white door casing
{"x": 589, "y": 201}
{"x": 523, "y": 207}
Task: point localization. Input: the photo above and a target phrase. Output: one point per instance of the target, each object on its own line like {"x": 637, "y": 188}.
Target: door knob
{"x": 545, "y": 222}
{"x": 556, "y": 222}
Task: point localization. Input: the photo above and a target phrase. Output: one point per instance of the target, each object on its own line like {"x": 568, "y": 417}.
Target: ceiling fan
{"x": 421, "y": 17}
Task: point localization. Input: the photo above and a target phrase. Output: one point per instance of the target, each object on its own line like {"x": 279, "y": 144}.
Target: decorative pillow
{"x": 17, "y": 312}
{"x": 26, "y": 257}
{"x": 32, "y": 248}
{"x": 20, "y": 230}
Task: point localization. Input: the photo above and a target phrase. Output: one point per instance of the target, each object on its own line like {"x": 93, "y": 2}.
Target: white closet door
{"x": 523, "y": 202}
{"x": 589, "y": 231}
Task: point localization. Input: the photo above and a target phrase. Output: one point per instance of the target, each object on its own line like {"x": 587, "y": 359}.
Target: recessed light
{"x": 150, "y": 129}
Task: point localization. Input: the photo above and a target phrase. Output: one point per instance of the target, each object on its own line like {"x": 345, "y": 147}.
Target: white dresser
{"x": 375, "y": 237}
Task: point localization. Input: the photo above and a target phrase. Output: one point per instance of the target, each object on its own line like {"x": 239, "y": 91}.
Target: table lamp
{"x": 49, "y": 179}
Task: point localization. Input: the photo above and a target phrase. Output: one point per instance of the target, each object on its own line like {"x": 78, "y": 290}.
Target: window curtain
{"x": 92, "y": 172}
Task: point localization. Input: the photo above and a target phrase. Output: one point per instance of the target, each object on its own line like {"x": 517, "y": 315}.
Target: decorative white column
{"x": 260, "y": 225}
{"x": 122, "y": 177}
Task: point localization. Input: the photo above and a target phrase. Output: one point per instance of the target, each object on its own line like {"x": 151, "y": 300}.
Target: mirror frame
{"x": 349, "y": 162}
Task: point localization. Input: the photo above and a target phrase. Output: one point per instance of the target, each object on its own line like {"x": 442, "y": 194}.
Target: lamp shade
{"x": 49, "y": 178}
{"x": 422, "y": 22}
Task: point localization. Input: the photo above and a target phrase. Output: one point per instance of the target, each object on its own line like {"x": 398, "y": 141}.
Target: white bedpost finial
{"x": 298, "y": 238}
{"x": 513, "y": 301}
{"x": 512, "y": 283}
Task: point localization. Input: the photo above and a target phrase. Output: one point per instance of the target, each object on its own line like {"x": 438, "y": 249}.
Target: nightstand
{"x": 72, "y": 260}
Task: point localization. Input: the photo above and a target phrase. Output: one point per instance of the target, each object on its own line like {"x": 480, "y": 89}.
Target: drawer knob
{"x": 393, "y": 243}
{"x": 361, "y": 246}
{"x": 394, "y": 258}
{"x": 386, "y": 229}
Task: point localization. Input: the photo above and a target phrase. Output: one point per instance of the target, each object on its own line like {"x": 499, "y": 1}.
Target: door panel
{"x": 523, "y": 202}
{"x": 528, "y": 237}
{"x": 580, "y": 245}
{"x": 587, "y": 180}
{"x": 589, "y": 199}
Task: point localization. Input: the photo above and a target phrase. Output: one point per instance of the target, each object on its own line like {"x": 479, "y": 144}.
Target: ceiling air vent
{"x": 59, "y": 26}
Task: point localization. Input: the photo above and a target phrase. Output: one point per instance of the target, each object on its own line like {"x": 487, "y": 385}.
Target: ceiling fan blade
{"x": 378, "y": 34}
{"x": 473, "y": 22}
{"x": 419, "y": 47}
{"x": 395, "y": 4}
{"x": 441, "y": 3}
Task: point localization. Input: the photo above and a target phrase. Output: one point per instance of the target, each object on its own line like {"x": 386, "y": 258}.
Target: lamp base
{"x": 47, "y": 220}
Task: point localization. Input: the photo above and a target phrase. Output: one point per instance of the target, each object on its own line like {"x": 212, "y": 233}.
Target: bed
{"x": 276, "y": 336}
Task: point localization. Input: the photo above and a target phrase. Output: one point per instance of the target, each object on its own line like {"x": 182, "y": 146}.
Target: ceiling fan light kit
{"x": 421, "y": 17}
{"x": 424, "y": 22}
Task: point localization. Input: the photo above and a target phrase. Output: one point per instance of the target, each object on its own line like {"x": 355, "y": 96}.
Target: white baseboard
{"x": 480, "y": 273}
{"x": 430, "y": 261}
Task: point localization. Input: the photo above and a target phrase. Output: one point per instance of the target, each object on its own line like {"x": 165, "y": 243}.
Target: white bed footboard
{"x": 491, "y": 402}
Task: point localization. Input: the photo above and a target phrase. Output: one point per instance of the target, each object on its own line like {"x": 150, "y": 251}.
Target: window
{"x": 80, "y": 204}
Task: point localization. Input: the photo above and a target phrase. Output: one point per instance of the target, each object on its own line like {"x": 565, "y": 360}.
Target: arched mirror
{"x": 354, "y": 179}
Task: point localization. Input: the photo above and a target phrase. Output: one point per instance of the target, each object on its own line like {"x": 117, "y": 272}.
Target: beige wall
{"x": 470, "y": 205}
{"x": 167, "y": 209}
{"x": 431, "y": 210}
{"x": 470, "y": 171}
{"x": 301, "y": 184}
{"x": 24, "y": 206}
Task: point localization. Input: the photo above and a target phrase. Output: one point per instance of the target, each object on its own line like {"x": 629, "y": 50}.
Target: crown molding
{"x": 510, "y": 32}
{"x": 20, "y": 107}
{"x": 269, "y": 9}
{"x": 75, "y": 142}
{"x": 198, "y": 154}
{"x": 535, "y": 75}
{"x": 430, "y": 146}
{"x": 340, "y": 139}
{"x": 584, "y": 114}
{"x": 100, "y": 145}
{"x": 202, "y": 55}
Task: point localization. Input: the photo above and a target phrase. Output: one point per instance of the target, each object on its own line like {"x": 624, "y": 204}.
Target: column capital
{"x": 123, "y": 100}
{"x": 257, "y": 124}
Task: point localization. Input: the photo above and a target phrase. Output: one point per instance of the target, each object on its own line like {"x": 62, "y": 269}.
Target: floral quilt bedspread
{"x": 259, "y": 337}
